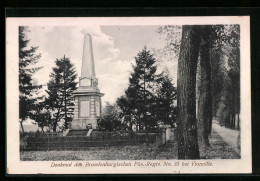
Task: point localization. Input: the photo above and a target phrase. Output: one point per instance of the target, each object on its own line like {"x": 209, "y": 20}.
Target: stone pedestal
{"x": 87, "y": 109}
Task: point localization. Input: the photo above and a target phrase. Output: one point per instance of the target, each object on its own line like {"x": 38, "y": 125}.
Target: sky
{"x": 114, "y": 49}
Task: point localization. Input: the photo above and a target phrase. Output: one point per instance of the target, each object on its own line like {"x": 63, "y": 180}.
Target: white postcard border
{"x": 15, "y": 166}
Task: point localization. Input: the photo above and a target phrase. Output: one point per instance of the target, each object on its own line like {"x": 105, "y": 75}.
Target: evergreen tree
{"x": 140, "y": 92}
{"x": 60, "y": 88}
{"x": 139, "y": 101}
{"x": 165, "y": 96}
{"x": 27, "y": 89}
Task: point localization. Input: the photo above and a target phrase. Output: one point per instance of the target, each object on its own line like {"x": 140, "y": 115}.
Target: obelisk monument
{"x": 87, "y": 97}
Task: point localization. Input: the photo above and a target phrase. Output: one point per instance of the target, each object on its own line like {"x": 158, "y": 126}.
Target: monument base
{"x": 81, "y": 123}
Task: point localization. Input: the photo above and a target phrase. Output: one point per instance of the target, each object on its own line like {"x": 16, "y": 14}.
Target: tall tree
{"x": 224, "y": 42}
{"x": 140, "y": 92}
{"x": 27, "y": 89}
{"x": 230, "y": 50}
{"x": 187, "y": 137}
{"x": 60, "y": 88}
{"x": 234, "y": 71}
{"x": 217, "y": 79}
{"x": 205, "y": 99}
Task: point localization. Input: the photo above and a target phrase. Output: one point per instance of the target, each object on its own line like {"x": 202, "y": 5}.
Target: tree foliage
{"x": 139, "y": 97}
{"x": 149, "y": 98}
{"x": 111, "y": 118}
{"x": 140, "y": 92}
{"x": 172, "y": 35}
{"x": 166, "y": 94}
{"x": 60, "y": 87}
{"x": 27, "y": 88}
{"x": 230, "y": 93}
{"x": 224, "y": 47}
{"x": 127, "y": 113}
{"x": 218, "y": 77}
{"x": 41, "y": 115}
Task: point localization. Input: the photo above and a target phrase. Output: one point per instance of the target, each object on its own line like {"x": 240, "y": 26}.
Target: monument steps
{"x": 77, "y": 132}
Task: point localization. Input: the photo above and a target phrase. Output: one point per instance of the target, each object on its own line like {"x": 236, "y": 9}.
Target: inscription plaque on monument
{"x": 85, "y": 82}
{"x": 84, "y": 108}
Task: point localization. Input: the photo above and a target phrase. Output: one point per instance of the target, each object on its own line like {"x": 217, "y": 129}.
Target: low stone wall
{"x": 78, "y": 142}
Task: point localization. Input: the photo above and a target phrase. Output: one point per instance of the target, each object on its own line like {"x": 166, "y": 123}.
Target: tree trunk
{"x": 187, "y": 137}
{"x": 205, "y": 99}
{"x": 238, "y": 122}
{"x": 231, "y": 120}
{"x": 130, "y": 124}
{"x": 57, "y": 117}
{"x": 138, "y": 124}
{"x": 65, "y": 107}
{"x": 21, "y": 123}
{"x": 65, "y": 100}
{"x": 233, "y": 109}
{"x": 145, "y": 111}
{"x": 56, "y": 121}
{"x": 54, "y": 126}
{"x": 234, "y": 120}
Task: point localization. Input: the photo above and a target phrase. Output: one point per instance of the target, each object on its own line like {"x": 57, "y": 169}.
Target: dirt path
{"x": 228, "y": 135}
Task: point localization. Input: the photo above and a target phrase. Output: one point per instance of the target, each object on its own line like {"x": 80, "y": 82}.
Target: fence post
{"x": 168, "y": 133}
{"x": 163, "y": 135}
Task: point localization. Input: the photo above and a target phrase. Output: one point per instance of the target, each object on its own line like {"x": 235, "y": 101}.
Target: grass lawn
{"x": 218, "y": 150}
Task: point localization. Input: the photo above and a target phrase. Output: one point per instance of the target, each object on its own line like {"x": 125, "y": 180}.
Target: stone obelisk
{"x": 87, "y": 97}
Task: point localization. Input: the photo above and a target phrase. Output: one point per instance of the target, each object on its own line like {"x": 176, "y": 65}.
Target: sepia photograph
{"x": 129, "y": 95}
